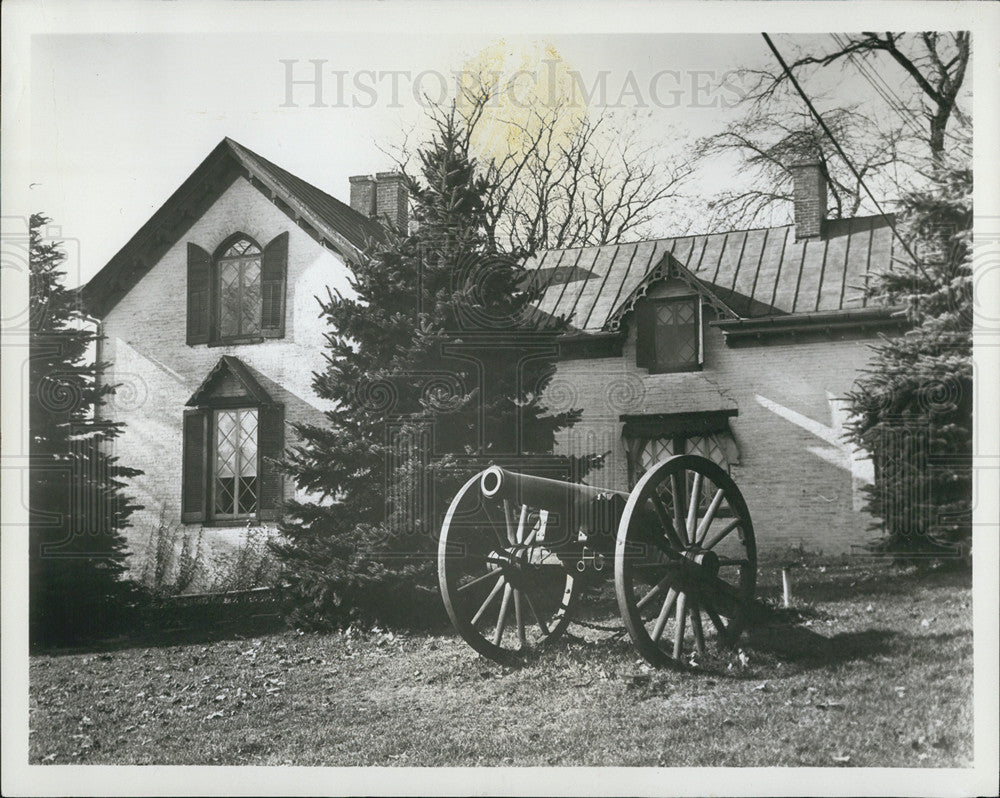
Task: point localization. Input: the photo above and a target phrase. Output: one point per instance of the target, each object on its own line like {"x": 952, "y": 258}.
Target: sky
{"x": 118, "y": 121}
{"x": 120, "y": 108}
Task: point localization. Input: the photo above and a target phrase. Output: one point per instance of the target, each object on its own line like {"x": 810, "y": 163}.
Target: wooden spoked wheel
{"x": 685, "y": 560}
{"x": 505, "y": 592}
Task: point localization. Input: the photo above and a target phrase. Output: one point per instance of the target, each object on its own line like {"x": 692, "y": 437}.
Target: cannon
{"x": 516, "y": 550}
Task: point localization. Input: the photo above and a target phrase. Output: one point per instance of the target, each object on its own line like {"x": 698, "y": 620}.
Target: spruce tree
{"x": 76, "y": 502}
{"x": 913, "y": 406}
{"x": 435, "y": 368}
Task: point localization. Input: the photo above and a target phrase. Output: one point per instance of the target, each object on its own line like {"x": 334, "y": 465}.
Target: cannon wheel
{"x": 686, "y": 551}
{"x": 504, "y": 592}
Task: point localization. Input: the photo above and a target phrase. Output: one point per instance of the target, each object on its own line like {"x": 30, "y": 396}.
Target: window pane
{"x": 656, "y": 449}
{"x": 236, "y": 480}
{"x": 708, "y": 446}
{"x": 229, "y": 298}
{"x": 224, "y": 493}
{"x": 248, "y": 442}
{"x": 241, "y": 247}
{"x": 239, "y": 291}
{"x": 675, "y": 340}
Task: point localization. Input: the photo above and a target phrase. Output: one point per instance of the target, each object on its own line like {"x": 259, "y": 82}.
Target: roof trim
{"x": 819, "y": 317}
{"x": 860, "y": 320}
{"x": 704, "y": 422}
{"x": 668, "y": 267}
{"x": 228, "y": 364}
{"x": 227, "y": 162}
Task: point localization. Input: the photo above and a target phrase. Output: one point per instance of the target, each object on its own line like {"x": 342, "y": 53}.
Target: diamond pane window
{"x": 671, "y": 333}
{"x": 654, "y": 450}
{"x": 235, "y": 478}
{"x": 710, "y": 447}
{"x": 240, "y": 290}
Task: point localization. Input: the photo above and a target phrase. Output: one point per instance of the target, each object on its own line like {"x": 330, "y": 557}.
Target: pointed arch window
{"x": 237, "y": 295}
{"x": 239, "y": 292}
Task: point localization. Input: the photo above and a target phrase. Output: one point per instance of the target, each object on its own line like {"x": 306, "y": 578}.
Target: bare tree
{"x": 935, "y": 64}
{"x": 770, "y": 137}
{"x": 559, "y": 176}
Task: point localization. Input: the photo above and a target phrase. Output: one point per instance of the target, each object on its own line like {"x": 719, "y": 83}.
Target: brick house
{"x": 737, "y": 345}
{"x": 212, "y": 330}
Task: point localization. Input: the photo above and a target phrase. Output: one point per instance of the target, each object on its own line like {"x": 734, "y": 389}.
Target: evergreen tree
{"x": 913, "y": 407}
{"x": 77, "y": 507}
{"x": 435, "y": 368}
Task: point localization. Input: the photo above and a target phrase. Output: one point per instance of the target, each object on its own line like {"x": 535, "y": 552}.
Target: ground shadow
{"x": 809, "y": 649}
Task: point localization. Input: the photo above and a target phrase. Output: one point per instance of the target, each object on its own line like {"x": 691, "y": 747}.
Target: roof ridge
{"x": 540, "y": 252}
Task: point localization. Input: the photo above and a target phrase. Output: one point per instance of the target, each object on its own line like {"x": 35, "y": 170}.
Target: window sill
{"x": 256, "y": 339}
{"x": 678, "y": 370}
{"x": 227, "y": 523}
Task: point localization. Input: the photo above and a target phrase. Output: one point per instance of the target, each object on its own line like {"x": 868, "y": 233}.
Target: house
{"x": 213, "y": 332}
{"x": 738, "y": 345}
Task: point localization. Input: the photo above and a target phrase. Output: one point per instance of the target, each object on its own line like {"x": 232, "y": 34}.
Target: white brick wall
{"x": 799, "y": 480}
{"x": 158, "y": 371}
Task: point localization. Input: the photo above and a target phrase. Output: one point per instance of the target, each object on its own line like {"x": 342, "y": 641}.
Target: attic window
{"x": 668, "y": 336}
{"x": 237, "y": 296}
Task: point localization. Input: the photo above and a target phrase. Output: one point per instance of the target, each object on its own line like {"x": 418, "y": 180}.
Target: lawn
{"x": 874, "y": 668}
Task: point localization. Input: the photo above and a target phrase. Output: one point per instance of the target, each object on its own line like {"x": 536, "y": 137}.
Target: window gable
{"x": 668, "y": 334}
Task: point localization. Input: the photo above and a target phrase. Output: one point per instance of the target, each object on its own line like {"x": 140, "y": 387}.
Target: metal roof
{"x": 753, "y": 273}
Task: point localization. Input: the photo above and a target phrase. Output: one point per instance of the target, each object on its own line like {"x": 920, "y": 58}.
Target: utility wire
{"x": 840, "y": 151}
{"x": 883, "y": 89}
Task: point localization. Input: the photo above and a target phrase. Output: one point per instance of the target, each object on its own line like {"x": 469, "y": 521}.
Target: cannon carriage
{"x": 515, "y": 550}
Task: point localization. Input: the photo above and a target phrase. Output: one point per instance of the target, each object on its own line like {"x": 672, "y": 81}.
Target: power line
{"x": 840, "y": 151}
{"x": 881, "y": 87}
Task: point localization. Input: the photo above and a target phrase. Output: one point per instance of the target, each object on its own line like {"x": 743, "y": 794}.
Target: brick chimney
{"x": 363, "y": 194}
{"x": 392, "y": 200}
{"x": 810, "y": 198}
{"x": 383, "y": 197}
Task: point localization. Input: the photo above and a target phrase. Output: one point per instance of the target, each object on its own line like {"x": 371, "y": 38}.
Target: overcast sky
{"x": 119, "y": 120}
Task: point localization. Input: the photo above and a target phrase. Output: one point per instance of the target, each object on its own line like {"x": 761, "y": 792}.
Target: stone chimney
{"x": 810, "y": 198}
{"x": 384, "y": 198}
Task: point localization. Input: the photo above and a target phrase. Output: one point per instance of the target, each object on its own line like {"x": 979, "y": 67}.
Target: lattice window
{"x": 235, "y": 477}
{"x": 654, "y": 450}
{"x": 709, "y": 446}
{"x": 644, "y": 453}
{"x": 240, "y": 290}
{"x": 669, "y": 334}
{"x": 676, "y": 339}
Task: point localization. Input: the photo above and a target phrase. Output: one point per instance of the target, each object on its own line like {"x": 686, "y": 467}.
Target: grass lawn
{"x": 874, "y": 670}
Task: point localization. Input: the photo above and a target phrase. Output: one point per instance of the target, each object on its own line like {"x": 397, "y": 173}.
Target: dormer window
{"x": 668, "y": 334}
{"x": 237, "y": 296}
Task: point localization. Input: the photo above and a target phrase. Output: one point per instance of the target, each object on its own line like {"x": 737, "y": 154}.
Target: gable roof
{"x": 749, "y": 273}
{"x": 331, "y": 222}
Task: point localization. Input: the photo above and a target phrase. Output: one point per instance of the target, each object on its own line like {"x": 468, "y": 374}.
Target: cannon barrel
{"x": 579, "y": 511}
{"x": 539, "y": 491}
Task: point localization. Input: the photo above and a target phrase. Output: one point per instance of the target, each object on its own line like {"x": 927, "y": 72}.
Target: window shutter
{"x": 645, "y": 328}
{"x": 199, "y": 290}
{"x": 271, "y": 438}
{"x": 274, "y": 267}
{"x": 193, "y": 479}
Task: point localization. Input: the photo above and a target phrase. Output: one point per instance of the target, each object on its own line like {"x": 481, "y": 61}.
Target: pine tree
{"x": 435, "y": 368}
{"x": 76, "y": 501}
{"x": 913, "y": 407}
